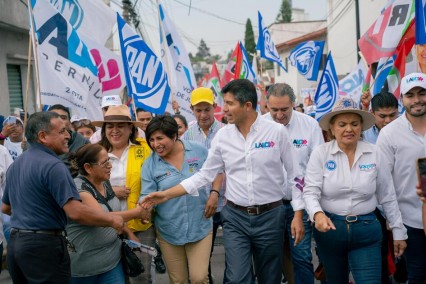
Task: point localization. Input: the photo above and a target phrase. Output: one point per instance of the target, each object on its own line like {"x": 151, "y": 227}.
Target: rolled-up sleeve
{"x": 314, "y": 183}
{"x": 211, "y": 167}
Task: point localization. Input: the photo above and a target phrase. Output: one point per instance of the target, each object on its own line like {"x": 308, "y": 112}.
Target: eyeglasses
{"x": 80, "y": 123}
{"x": 103, "y": 164}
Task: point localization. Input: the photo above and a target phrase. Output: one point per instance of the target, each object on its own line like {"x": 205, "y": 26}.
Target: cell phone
{"x": 421, "y": 171}
{"x": 11, "y": 120}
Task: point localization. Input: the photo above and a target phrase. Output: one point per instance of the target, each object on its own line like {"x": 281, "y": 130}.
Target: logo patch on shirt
{"x": 162, "y": 175}
{"x": 267, "y": 144}
{"x": 139, "y": 153}
{"x": 193, "y": 164}
{"x": 331, "y": 165}
{"x": 298, "y": 143}
{"x": 367, "y": 167}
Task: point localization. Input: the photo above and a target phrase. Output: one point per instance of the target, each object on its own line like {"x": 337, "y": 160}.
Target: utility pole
{"x": 358, "y": 30}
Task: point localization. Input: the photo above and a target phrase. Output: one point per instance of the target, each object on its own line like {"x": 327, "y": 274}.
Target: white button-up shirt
{"x": 332, "y": 186}
{"x": 253, "y": 166}
{"x": 118, "y": 172}
{"x": 400, "y": 147}
{"x": 305, "y": 135}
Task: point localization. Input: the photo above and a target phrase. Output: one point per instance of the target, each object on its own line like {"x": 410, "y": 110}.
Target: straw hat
{"x": 347, "y": 105}
{"x": 117, "y": 114}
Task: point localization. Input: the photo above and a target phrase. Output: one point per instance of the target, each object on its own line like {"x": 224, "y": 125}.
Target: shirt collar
{"x": 213, "y": 127}
{"x": 256, "y": 124}
{"x": 362, "y": 147}
{"x": 41, "y": 147}
{"x": 405, "y": 119}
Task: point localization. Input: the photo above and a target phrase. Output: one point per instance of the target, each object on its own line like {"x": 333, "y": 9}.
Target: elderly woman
{"x": 127, "y": 153}
{"x": 343, "y": 184}
{"x": 184, "y": 232}
{"x": 97, "y": 254}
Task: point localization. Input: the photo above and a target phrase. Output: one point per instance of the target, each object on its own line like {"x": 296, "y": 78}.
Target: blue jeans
{"x": 253, "y": 237}
{"x": 301, "y": 254}
{"x": 114, "y": 276}
{"x": 352, "y": 246}
{"x": 415, "y": 255}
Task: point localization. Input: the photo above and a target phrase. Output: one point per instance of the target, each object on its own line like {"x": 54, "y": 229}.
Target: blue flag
{"x": 328, "y": 89}
{"x": 420, "y": 7}
{"x": 266, "y": 46}
{"x": 306, "y": 57}
{"x": 146, "y": 78}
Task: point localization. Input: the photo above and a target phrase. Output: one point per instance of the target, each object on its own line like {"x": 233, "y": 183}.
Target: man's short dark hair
{"x": 60, "y": 107}
{"x": 139, "y": 109}
{"x": 39, "y": 121}
{"x": 243, "y": 91}
{"x": 281, "y": 90}
{"x": 383, "y": 99}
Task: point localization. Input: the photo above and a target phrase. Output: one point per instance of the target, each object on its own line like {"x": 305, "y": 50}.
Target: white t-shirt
{"x": 14, "y": 148}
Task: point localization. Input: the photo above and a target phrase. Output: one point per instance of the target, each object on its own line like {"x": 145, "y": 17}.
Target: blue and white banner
{"x": 179, "y": 66}
{"x": 88, "y": 17}
{"x": 146, "y": 78}
{"x": 68, "y": 75}
{"x": 383, "y": 68}
{"x": 328, "y": 89}
{"x": 306, "y": 57}
{"x": 351, "y": 85}
{"x": 93, "y": 22}
{"x": 246, "y": 71}
{"x": 420, "y": 6}
{"x": 266, "y": 46}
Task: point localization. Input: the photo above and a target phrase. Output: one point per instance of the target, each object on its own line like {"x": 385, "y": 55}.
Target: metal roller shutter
{"x": 15, "y": 87}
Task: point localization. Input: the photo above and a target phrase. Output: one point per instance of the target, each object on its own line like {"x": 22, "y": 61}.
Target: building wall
{"x": 14, "y": 50}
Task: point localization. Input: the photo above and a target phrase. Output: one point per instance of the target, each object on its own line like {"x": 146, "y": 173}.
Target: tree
{"x": 284, "y": 15}
{"x": 203, "y": 51}
{"x": 249, "y": 43}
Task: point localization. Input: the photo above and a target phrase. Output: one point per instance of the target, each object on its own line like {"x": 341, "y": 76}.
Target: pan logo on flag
{"x": 326, "y": 97}
{"x": 72, "y": 11}
{"x": 269, "y": 45}
{"x": 304, "y": 58}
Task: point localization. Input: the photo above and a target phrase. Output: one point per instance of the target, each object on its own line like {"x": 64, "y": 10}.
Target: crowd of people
{"x": 273, "y": 181}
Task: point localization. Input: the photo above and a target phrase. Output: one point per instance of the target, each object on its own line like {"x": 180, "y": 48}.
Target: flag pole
{"x": 34, "y": 45}
{"x": 27, "y": 90}
{"x": 164, "y": 47}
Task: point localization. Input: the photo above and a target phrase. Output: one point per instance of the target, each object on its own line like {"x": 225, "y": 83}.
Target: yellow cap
{"x": 201, "y": 95}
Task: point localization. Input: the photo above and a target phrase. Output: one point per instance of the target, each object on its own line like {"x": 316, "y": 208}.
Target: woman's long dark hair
{"x": 105, "y": 143}
{"x": 88, "y": 153}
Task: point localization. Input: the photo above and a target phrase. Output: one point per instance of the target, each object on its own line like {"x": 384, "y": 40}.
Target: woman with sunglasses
{"x": 96, "y": 251}
{"x": 183, "y": 231}
{"x": 84, "y": 127}
{"x": 127, "y": 154}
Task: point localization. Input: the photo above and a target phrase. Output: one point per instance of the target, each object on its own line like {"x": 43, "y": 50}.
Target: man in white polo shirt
{"x": 400, "y": 144}
{"x": 304, "y": 134}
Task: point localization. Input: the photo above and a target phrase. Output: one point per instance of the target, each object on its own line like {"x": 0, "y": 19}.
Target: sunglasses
{"x": 80, "y": 123}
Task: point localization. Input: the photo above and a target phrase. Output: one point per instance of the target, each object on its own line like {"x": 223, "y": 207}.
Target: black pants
{"x": 38, "y": 258}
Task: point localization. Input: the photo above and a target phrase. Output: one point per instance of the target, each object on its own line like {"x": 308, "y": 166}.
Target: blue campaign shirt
{"x": 180, "y": 220}
{"x": 195, "y": 133}
{"x": 38, "y": 186}
{"x": 370, "y": 135}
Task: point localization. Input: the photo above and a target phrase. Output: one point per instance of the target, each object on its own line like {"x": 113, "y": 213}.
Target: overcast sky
{"x": 221, "y": 23}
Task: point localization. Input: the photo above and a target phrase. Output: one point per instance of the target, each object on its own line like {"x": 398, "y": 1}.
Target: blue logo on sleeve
{"x": 331, "y": 165}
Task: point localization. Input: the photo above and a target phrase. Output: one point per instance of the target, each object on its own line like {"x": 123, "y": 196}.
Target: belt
{"x": 43, "y": 232}
{"x": 255, "y": 209}
{"x": 286, "y": 202}
{"x": 352, "y": 218}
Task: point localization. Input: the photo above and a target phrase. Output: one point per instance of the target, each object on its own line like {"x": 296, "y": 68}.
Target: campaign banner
{"x": 306, "y": 57}
{"x": 351, "y": 85}
{"x": 68, "y": 76}
{"x": 147, "y": 81}
{"x": 266, "y": 45}
{"x": 179, "y": 66}
{"x": 328, "y": 89}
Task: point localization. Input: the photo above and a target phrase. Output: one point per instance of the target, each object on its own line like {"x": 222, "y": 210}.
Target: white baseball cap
{"x": 411, "y": 81}
{"x": 113, "y": 100}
